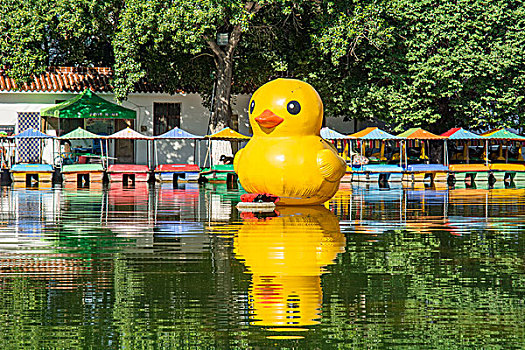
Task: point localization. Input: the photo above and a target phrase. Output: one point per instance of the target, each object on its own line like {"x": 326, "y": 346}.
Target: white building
{"x": 156, "y": 112}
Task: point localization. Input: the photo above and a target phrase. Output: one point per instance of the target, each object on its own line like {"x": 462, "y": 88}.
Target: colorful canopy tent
{"x": 339, "y": 141}
{"x": 223, "y": 148}
{"x": 34, "y": 134}
{"x": 330, "y": 134}
{"x": 228, "y": 134}
{"x": 460, "y": 134}
{"x": 375, "y": 134}
{"x": 177, "y": 134}
{"x": 81, "y": 134}
{"x": 420, "y": 135}
{"x": 88, "y": 105}
{"x": 130, "y": 134}
{"x": 503, "y": 135}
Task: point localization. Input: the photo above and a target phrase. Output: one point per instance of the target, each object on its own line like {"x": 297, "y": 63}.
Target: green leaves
{"x": 343, "y": 27}
{"x": 36, "y": 33}
{"x": 407, "y": 63}
{"x": 438, "y": 66}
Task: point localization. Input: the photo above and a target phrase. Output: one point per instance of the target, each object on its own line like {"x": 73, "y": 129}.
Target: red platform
{"x": 126, "y": 172}
{"x": 177, "y": 168}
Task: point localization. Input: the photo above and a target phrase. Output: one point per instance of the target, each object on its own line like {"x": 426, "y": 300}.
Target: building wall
{"x": 194, "y": 119}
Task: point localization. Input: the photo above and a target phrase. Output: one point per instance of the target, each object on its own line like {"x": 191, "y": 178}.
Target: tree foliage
{"x": 445, "y": 64}
{"x": 174, "y": 43}
{"x": 407, "y": 63}
{"x": 35, "y": 34}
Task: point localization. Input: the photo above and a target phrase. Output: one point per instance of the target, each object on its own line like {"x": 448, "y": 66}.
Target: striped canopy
{"x": 460, "y": 134}
{"x": 32, "y": 134}
{"x": 128, "y": 134}
{"x": 177, "y": 133}
{"x": 419, "y": 134}
{"x": 330, "y": 134}
{"x": 373, "y": 133}
{"x": 502, "y": 134}
{"x": 79, "y": 134}
{"x": 227, "y": 134}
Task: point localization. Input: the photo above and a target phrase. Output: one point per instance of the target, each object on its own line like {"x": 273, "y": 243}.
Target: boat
{"x": 32, "y": 173}
{"x": 380, "y": 166}
{"x": 469, "y": 172}
{"x": 220, "y": 173}
{"x": 418, "y": 167}
{"x": 503, "y": 166}
{"x": 128, "y": 173}
{"x": 28, "y": 172}
{"x": 426, "y": 173}
{"x": 464, "y": 156}
{"x": 83, "y": 174}
{"x": 376, "y": 173}
{"x": 177, "y": 173}
{"x": 507, "y": 171}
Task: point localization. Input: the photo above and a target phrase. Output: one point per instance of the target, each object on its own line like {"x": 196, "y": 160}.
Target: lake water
{"x": 163, "y": 268}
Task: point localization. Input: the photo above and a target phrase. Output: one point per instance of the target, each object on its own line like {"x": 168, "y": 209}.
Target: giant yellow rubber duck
{"x": 286, "y": 256}
{"x": 286, "y": 157}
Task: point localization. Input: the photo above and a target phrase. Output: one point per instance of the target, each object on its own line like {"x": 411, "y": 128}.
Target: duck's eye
{"x": 252, "y": 106}
{"x": 293, "y": 107}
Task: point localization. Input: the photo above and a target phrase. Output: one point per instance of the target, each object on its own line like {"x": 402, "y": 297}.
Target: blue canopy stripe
{"x": 32, "y": 134}
{"x": 329, "y": 134}
{"x": 177, "y": 133}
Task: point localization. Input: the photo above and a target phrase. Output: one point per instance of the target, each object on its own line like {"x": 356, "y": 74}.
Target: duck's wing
{"x": 332, "y": 166}
{"x": 236, "y": 161}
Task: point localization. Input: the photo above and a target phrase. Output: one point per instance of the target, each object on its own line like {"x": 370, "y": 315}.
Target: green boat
{"x": 221, "y": 173}
{"x": 83, "y": 173}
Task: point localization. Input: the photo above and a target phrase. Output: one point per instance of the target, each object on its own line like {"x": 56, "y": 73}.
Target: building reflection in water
{"x": 369, "y": 209}
{"x": 286, "y": 256}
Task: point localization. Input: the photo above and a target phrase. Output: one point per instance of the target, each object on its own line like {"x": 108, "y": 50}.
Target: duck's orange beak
{"x": 268, "y": 119}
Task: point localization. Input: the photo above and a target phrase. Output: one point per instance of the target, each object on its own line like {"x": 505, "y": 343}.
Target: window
{"x": 166, "y": 116}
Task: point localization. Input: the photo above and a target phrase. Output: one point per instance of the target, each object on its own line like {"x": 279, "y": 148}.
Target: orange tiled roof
{"x": 71, "y": 79}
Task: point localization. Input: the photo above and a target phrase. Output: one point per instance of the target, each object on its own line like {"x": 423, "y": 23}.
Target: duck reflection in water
{"x": 286, "y": 255}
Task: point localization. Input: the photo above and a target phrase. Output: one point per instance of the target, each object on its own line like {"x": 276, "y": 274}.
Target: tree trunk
{"x": 221, "y": 109}
{"x": 221, "y": 114}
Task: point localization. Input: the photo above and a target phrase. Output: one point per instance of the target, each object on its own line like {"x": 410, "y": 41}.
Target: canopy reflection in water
{"x": 286, "y": 256}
